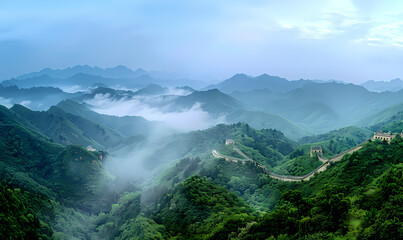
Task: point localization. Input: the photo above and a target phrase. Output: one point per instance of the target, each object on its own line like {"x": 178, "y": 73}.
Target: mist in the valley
{"x": 142, "y": 158}
{"x": 183, "y": 120}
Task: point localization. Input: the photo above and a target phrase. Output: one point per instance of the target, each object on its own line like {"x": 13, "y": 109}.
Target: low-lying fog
{"x": 156, "y": 108}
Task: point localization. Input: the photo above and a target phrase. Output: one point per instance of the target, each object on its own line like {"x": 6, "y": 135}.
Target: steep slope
{"x": 36, "y": 163}
{"x": 387, "y": 115}
{"x": 55, "y": 188}
{"x": 198, "y": 200}
{"x": 65, "y": 128}
{"x": 126, "y": 126}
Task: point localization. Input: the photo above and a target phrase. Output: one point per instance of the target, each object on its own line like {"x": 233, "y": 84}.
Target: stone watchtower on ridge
{"x": 316, "y": 149}
{"x": 384, "y": 136}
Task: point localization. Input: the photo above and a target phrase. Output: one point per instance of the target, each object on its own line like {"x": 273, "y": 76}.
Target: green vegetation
{"x": 394, "y": 124}
{"x": 386, "y": 116}
{"x": 66, "y": 128}
{"x": 298, "y": 163}
{"x": 17, "y": 222}
{"x": 51, "y": 191}
{"x": 338, "y": 140}
{"x": 198, "y": 208}
{"x": 58, "y": 186}
{"x": 127, "y": 126}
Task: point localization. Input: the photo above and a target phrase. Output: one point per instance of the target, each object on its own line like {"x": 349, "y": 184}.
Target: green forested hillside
{"x": 338, "y": 140}
{"x": 64, "y": 192}
{"x": 66, "y": 128}
{"x": 383, "y": 117}
{"x": 357, "y": 198}
{"x": 270, "y": 146}
{"x": 334, "y": 142}
{"x": 18, "y": 222}
{"x": 56, "y": 186}
{"x": 393, "y": 124}
{"x": 126, "y": 126}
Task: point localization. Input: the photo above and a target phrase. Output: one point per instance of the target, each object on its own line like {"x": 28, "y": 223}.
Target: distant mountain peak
{"x": 140, "y": 70}
{"x": 239, "y": 75}
{"x": 264, "y": 75}
{"x": 120, "y": 71}
{"x": 393, "y": 85}
{"x": 151, "y": 89}
{"x": 122, "y": 67}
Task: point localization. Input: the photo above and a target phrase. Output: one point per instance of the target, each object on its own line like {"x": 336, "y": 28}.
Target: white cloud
{"x": 72, "y": 89}
{"x": 177, "y": 92}
{"x": 330, "y": 19}
{"x": 386, "y": 34}
{"x": 25, "y": 103}
{"x": 183, "y": 120}
{"x": 6, "y": 102}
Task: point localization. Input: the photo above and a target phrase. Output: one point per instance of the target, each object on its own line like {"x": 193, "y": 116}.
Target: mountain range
{"x": 36, "y": 98}
{"x": 296, "y": 107}
{"x": 321, "y": 106}
{"x": 393, "y": 85}
{"x": 245, "y": 83}
{"x": 70, "y": 171}
{"x": 84, "y": 76}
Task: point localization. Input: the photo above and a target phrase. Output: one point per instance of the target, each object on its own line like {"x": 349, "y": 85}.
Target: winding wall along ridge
{"x": 321, "y": 168}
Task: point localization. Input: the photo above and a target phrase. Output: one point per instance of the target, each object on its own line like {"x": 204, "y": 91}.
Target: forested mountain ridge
{"x": 345, "y": 201}
{"x": 55, "y": 185}
{"x": 65, "y": 128}
{"x": 206, "y": 197}
{"x": 126, "y": 126}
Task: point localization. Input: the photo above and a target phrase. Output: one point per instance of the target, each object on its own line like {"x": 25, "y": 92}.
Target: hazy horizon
{"x": 207, "y": 40}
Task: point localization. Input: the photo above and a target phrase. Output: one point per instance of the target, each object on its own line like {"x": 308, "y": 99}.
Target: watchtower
{"x": 316, "y": 149}
{"x": 384, "y": 136}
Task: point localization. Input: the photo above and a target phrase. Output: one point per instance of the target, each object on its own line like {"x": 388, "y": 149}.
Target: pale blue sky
{"x": 349, "y": 40}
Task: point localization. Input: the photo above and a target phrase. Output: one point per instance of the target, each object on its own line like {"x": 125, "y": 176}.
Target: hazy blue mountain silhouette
{"x": 243, "y": 83}
{"x": 393, "y": 85}
{"x": 321, "y": 106}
